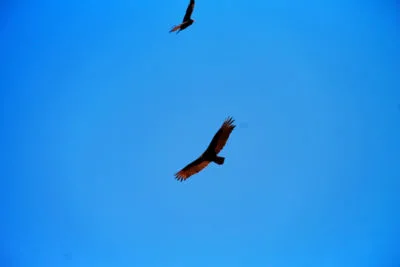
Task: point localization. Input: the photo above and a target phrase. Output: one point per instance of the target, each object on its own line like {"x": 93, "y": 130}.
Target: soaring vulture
{"x": 187, "y": 21}
{"x": 210, "y": 154}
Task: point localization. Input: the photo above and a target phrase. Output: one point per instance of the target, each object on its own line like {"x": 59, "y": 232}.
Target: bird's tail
{"x": 219, "y": 160}
{"x": 175, "y": 28}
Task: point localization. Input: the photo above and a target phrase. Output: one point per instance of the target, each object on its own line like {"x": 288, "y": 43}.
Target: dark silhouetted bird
{"x": 210, "y": 154}
{"x": 187, "y": 21}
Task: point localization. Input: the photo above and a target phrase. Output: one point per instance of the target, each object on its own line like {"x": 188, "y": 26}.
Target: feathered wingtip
{"x": 175, "y": 28}
{"x": 180, "y": 177}
{"x": 229, "y": 121}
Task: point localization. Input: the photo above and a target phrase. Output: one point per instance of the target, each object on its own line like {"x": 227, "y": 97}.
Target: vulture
{"x": 187, "y": 21}
{"x": 210, "y": 154}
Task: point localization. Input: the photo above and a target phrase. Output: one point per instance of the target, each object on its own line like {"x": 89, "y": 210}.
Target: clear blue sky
{"x": 101, "y": 106}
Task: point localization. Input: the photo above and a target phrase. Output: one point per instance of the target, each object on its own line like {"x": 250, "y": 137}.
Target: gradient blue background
{"x": 101, "y": 106}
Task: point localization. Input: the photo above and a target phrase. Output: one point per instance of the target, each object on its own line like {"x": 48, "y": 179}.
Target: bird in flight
{"x": 210, "y": 154}
{"x": 187, "y": 21}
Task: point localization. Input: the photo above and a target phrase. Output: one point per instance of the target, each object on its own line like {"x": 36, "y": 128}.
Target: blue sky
{"x": 101, "y": 106}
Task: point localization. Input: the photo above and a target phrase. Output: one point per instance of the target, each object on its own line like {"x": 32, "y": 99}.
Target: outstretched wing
{"x": 192, "y": 168}
{"x": 189, "y": 11}
{"x": 221, "y": 137}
